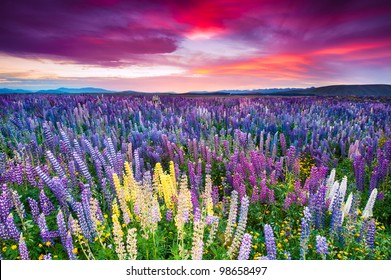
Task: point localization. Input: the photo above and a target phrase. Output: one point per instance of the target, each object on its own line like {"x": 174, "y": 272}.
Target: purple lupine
{"x": 169, "y": 215}
{"x": 320, "y": 206}
{"x": 47, "y": 257}
{"x": 384, "y": 166}
{"x": 55, "y": 164}
{"x": 321, "y": 246}
{"x": 46, "y": 205}
{"x": 12, "y": 230}
{"x": 17, "y": 174}
{"x": 43, "y": 228}
{"x": 194, "y": 199}
{"x": 283, "y": 143}
{"x": 4, "y": 207}
{"x": 24, "y": 254}
{"x": 289, "y": 199}
{"x": 82, "y": 221}
{"x": 380, "y": 196}
{"x": 245, "y": 247}
{"x": 3, "y": 232}
{"x": 48, "y": 135}
{"x": 255, "y": 194}
{"x": 363, "y": 230}
{"x": 69, "y": 246}
{"x": 62, "y": 228}
{"x": 29, "y": 170}
{"x": 336, "y": 214}
{"x": 82, "y": 166}
{"x": 86, "y": 196}
{"x": 359, "y": 171}
{"x": 374, "y": 180}
{"x": 371, "y": 234}
{"x": 34, "y": 208}
{"x": 270, "y": 243}
{"x": 197, "y": 215}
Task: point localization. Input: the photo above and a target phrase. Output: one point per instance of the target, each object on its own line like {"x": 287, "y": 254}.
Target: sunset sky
{"x": 193, "y": 44}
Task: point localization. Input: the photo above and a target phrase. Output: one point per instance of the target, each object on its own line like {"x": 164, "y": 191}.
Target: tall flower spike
{"x": 231, "y": 217}
{"x": 55, "y": 164}
{"x": 321, "y": 246}
{"x": 34, "y": 208}
{"x": 69, "y": 246}
{"x": 24, "y": 254}
{"x": 131, "y": 244}
{"x": 232, "y": 251}
{"x": 13, "y": 232}
{"x": 371, "y": 234}
{"x": 270, "y": 243}
{"x": 369, "y": 207}
{"x": 245, "y": 247}
{"x": 62, "y": 229}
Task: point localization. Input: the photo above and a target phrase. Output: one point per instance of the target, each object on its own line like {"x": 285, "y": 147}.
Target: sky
{"x": 193, "y": 45}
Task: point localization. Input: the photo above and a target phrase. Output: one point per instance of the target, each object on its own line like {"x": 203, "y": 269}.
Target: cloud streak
{"x": 305, "y": 41}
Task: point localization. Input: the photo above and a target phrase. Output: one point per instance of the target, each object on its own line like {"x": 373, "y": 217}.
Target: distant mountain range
{"x": 333, "y": 90}
{"x": 61, "y": 90}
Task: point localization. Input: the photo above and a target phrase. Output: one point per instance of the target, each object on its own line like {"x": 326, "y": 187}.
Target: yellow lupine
{"x": 115, "y": 209}
{"x": 172, "y": 173}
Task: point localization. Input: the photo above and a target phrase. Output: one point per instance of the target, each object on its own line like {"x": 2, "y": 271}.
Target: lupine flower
{"x": 245, "y": 247}
{"x": 4, "y": 207}
{"x": 47, "y": 257}
{"x": 46, "y": 205}
{"x": 232, "y": 251}
{"x": 197, "y": 249}
{"x": 62, "y": 229}
{"x": 118, "y": 238}
{"x": 13, "y": 232}
{"x": 169, "y": 215}
{"x": 336, "y": 214}
{"x": 34, "y": 208}
{"x": 233, "y": 210}
{"x": 24, "y": 254}
{"x": 131, "y": 244}
{"x": 369, "y": 207}
{"x": 371, "y": 234}
{"x": 359, "y": 171}
{"x": 304, "y": 237}
{"x": 82, "y": 166}
{"x": 270, "y": 243}
{"x": 55, "y": 164}
{"x": 321, "y": 246}
{"x": 69, "y": 246}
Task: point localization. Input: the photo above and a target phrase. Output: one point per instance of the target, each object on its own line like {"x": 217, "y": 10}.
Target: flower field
{"x": 112, "y": 177}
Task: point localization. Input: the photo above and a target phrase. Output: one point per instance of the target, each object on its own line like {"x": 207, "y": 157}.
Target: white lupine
{"x": 342, "y": 187}
{"x": 371, "y": 202}
{"x": 347, "y": 207}
{"x": 330, "y": 180}
{"x": 332, "y": 194}
{"x": 348, "y": 204}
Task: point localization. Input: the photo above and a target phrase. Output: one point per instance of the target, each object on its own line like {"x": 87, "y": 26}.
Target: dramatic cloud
{"x": 287, "y": 42}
